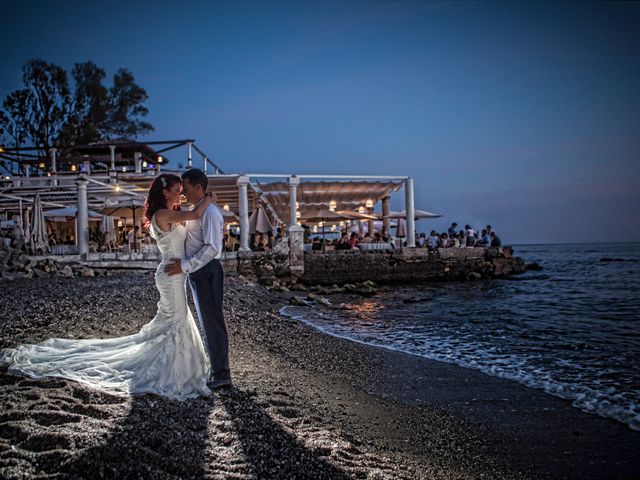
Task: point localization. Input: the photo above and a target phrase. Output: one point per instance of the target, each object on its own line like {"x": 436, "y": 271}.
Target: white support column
{"x": 243, "y": 200}
{"x": 293, "y": 200}
{"x": 82, "y": 233}
{"x": 54, "y": 164}
{"x": 371, "y": 226}
{"x": 410, "y": 209}
{"x": 113, "y": 157}
{"x": 295, "y": 231}
{"x": 386, "y": 211}
{"x": 189, "y": 161}
{"x": 204, "y": 165}
{"x": 26, "y": 222}
{"x": 87, "y": 167}
{"x": 138, "y": 162}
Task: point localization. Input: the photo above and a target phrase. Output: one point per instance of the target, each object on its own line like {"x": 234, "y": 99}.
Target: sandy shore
{"x": 305, "y": 405}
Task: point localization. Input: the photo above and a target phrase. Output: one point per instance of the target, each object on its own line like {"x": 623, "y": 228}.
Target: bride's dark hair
{"x": 155, "y": 198}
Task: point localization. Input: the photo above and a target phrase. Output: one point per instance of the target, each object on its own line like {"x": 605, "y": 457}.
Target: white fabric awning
{"x": 314, "y": 196}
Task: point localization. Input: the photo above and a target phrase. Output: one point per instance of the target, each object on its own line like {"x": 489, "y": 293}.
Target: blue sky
{"x": 522, "y": 115}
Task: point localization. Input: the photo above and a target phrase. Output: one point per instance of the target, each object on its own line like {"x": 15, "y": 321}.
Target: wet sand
{"x": 305, "y": 405}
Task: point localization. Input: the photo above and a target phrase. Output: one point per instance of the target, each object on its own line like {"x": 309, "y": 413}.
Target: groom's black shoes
{"x": 219, "y": 385}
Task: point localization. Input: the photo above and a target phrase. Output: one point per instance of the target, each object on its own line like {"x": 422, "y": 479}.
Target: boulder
{"x": 366, "y": 291}
{"x": 350, "y": 287}
{"x": 8, "y": 275}
{"x": 322, "y": 301}
{"x": 298, "y": 301}
{"x": 40, "y": 273}
{"x": 65, "y": 272}
{"x": 87, "y": 272}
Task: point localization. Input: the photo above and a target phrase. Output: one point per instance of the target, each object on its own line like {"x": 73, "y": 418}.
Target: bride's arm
{"x": 177, "y": 216}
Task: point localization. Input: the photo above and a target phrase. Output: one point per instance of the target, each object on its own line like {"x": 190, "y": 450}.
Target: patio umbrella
{"x": 130, "y": 207}
{"x": 401, "y": 228}
{"x": 108, "y": 227}
{"x": 351, "y": 215}
{"x": 325, "y": 216}
{"x": 38, "y": 239}
{"x": 259, "y": 222}
{"x": 228, "y": 217}
{"x": 63, "y": 214}
{"x": 418, "y": 214}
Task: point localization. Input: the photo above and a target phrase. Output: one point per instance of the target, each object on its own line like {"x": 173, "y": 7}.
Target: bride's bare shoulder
{"x": 161, "y": 219}
{"x": 160, "y": 212}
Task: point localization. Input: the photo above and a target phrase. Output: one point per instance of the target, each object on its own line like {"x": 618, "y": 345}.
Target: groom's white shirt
{"x": 204, "y": 239}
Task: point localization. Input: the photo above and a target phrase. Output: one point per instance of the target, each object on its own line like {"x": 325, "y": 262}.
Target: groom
{"x": 203, "y": 247}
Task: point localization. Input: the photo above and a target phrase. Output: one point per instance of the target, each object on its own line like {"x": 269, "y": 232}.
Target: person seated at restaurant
{"x": 471, "y": 236}
{"x": 454, "y": 241}
{"x": 452, "y": 229}
{"x": 433, "y": 242}
{"x": 133, "y": 234}
{"x": 263, "y": 241}
{"x": 53, "y": 240}
{"x": 489, "y": 229}
{"x": 495, "y": 240}
{"x": 259, "y": 243}
{"x": 485, "y": 239}
{"x": 444, "y": 240}
{"x": 353, "y": 240}
{"x": 421, "y": 240}
{"x": 377, "y": 238}
{"x": 385, "y": 235}
{"x": 232, "y": 243}
{"x": 269, "y": 240}
{"x": 68, "y": 241}
{"x": 316, "y": 244}
{"x": 147, "y": 239}
{"x": 279, "y": 235}
{"x": 462, "y": 239}
{"x": 343, "y": 242}
{"x": 367, "y": 238}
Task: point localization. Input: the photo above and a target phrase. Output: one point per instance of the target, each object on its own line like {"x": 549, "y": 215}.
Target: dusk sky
{"x": 525, "y": 116}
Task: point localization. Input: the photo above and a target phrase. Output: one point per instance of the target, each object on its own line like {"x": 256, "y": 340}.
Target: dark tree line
{"x": 51, "y": 110}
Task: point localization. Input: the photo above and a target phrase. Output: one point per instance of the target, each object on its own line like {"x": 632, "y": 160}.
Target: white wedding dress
{"x": 165, "y": 357}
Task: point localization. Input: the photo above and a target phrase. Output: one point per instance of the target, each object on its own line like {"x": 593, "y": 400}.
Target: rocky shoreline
{"x": 15, "y": 264}
{"x": 305, "y": 405}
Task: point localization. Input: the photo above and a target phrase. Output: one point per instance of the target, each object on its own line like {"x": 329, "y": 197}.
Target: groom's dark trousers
{"x": 207, "y": 288}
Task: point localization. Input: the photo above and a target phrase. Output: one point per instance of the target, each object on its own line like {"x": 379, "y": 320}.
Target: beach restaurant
{"x": 102, "y": 186}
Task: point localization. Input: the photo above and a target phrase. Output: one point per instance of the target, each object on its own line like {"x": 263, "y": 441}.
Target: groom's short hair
{"x": 196, "y": 177}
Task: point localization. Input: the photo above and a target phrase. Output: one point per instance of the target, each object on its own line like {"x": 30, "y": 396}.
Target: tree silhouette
{"x": 48, "y": 112}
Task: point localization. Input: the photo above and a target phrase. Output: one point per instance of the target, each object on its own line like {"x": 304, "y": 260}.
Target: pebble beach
{"x": 304, "y": 404}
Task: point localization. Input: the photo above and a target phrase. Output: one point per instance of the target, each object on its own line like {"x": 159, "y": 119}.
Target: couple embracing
{"x": 170, "y": 355}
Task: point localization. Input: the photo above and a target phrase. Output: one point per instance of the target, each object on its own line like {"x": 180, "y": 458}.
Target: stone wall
{"x": 408, "y": 265}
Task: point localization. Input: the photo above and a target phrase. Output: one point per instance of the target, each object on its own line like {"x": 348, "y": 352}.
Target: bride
{"x": 166, "y": 356}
